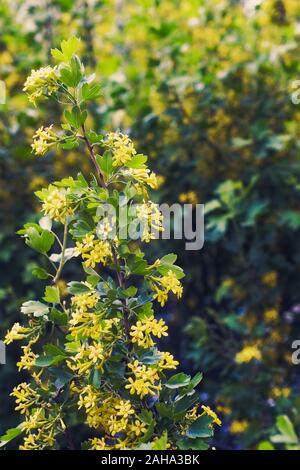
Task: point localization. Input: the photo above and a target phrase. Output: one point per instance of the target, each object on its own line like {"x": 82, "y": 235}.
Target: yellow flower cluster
{"x": 87, "y": 356}
{"x": 16, "y": 333}
{"x": 151, "y": 220}
{"x": 113, "y": 415}
{"x": 247, "y": 354}
{"x": 25, "y": 397}
{"x": 165, "y": 284}
{"x": 43, "y": 139}
{"x": 271, "y": 315}
{"x": 145, "y": 381}
{"x": 93, "y": 251}
{"x": 122, "y": 147}
{"x": 142, "y": 176}
{"x": 167, "y": 361}
{"x": 141, "y": 332}
{"x": 209, "y": 412}
{"x": 280, "y": 392}
{"x": 190, "y": 197}
{"x": 270, "y": 279}
{"x": 41, "y": 82}
{"x": 56, "y": 203}
{"x": 238, "y": 427}
{"x": 85, "y": 300}
{"x": 27, "y": 360}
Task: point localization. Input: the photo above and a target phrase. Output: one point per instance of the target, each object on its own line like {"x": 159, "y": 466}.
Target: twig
{"x": 62, "y": 259}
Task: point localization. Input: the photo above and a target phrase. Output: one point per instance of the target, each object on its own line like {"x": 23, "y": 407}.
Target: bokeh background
{"x": 204, "y": 88}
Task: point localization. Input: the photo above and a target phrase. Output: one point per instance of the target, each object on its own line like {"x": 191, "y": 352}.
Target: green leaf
{"x": 167, "y": 264}
{"x": 38, "y": 309}
{"x": 130, "y": 291}
{"x": 9, "y": 435}
{"x": 58, "y": 317}
{"x": 45, "y": 361}
{"x": 161, "y": 443}
{"x": 105, "y": 162}
{"x": 75, "y": 117}
{"x": 200, "y": 427}
{"x": 52, "y": 295}
{"x": 178, "y": 380}
{"x": 90, "y": 92}
{"x": 68, "y": 48}
{"x": 75, "y": 287}
{"x": 39, "y": 241}
{"x": 53, "y": 350}
{"x": 40, "y": 273}
{"x": 265, "y": 445}
{"x": 95, "y": 378}
{"x": 286, "y": 428}
{"x": 192, "y": 444}
{"x": 138, "y": 161}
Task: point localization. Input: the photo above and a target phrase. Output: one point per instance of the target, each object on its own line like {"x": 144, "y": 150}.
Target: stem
{"x": 121, "y": 284}
{"x": 62, "y": 259}
{"x": 99, "y": 173}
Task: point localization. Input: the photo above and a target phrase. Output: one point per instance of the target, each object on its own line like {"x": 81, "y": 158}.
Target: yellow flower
{"x": 271, "y": 315}
{"x": 85, "y": 300}
{"x": 124, "y": 408}
{"x": 138, "y": 428}
{"x": 238, "y": 427}
{"x": 17, "y": 332}
{"x": 151, "y": 220}
{"x": 122, "y": 147}
{"x": 41, "y": 82}
{"x": 145, "y": 380}
{"x": 25, "y": 397}
{"x": 163, "y": 285}
{"x": 93, "y": 251}
{"x": 189, "y": 197}
{"x": 55, "y": 203}
{"x": 278, "y": 392}
{"x": 98, "y": 444}
{"x": 29, "y": 443}
{"x": 247, "y": 354}
{"x": 43, "y": 140}
{"x": 116, "y": 425}
{"x": 209, "y": 412}
{"x": 270, "y": 279}
{"x": 167, "y": 361}
{"x": 143, "y": 176}
{"x": 141, "y": 332}
{"x": 27, "y": 361}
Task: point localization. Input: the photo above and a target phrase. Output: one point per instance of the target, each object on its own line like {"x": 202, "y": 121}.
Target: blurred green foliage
{"x": 204, "y": 88}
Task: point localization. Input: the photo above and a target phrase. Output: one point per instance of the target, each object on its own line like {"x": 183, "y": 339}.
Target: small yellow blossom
{"x": 55, "y": 203}
{"x": 270, "y": 279}
{"x": 122, "y": 147}
{"x": 238, "y": 427}
{"x": 17, "y": 332}
{"x": 145, "y": 381}
{"x": 41, "y": 82}
{"x": 280, "y": 392}
{"x": 151, "y": 220}
{"x": 209, "y": 412}
{"x": 27, "y": 360}
{"x": 138, "y": 428}
{"x": 141, "y": 332}
{"x": 165, "y": 284}
{"x": 247, "y": 354}
{"x": 43, "y": 140}
{"x": 271, "y": 315}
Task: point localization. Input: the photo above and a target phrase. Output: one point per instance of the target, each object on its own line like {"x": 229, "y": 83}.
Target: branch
{"x": 62, "y": 259}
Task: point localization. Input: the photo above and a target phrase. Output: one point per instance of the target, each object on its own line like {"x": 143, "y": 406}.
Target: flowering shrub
{"x": 91, "y": 352}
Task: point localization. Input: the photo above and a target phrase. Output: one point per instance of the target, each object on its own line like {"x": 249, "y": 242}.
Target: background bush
{"x": 204, "y": 88}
